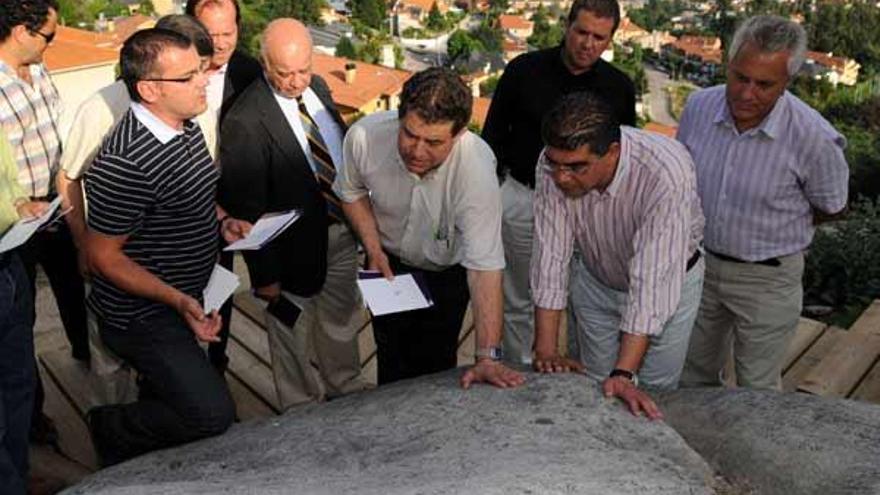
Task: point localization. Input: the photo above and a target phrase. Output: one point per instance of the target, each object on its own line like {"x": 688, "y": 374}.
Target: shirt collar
{"x": 771, "y": 126}
{"x": 162, "y": 131}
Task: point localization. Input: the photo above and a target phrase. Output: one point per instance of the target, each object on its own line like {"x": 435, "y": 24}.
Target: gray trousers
{"x": 755, "y": 306}
{"x": 598, "y": 310}
{"x": 325, "y": 332}
{"x": 517, "y": 226}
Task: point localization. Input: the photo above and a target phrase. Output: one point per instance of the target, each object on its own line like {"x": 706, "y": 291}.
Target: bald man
{"x": 280, "y": 145}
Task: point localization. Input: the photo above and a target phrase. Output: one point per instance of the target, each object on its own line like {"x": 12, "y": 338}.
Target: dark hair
{"x": 602, "y": 8}
{"x": 33, "y": 14}
{"x": 191, "y": 28}
{"x": 140, "y": 54}
{"x": 437, "y": 95}
{"x": 579, "y": 119}
{"x": 193, "y": 5}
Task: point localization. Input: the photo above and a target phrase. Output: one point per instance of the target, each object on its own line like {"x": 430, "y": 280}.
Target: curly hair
{"x": 580, "y": 119}
{"x": 32, "y": 14}
{"x": 437, "y": 95}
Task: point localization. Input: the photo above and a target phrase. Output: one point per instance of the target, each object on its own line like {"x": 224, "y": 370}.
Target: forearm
{"x": 487, "y": 305}
{"x": 360, "y": 215}
{"x": 72, "y": 197}
{"x": 546, "y": 330}
{"x": 632, "y": 349}
{"x": 121, "y": 271}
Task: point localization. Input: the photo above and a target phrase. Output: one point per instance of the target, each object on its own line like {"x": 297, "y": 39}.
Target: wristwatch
{"x": 492, "y": 352}
{"x": 629, "y": 375}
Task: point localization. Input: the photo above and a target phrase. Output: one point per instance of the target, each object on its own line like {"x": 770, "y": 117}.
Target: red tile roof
{"x": 480, "y": 110}
{"x": 76, "y": 48}
{"x": 507, "y": 21}
{"x": 371, "y": 81}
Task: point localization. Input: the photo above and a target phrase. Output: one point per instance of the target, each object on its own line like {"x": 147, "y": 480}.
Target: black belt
{"x": 767, "y": 262}
{"x": 693, "y": 260}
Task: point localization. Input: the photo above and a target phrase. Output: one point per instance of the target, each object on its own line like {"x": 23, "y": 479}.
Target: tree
{"x": 345, "y": 49}
{"x": 369, "y": 12}
{"x": 489, "y": 35}
{"x": 307, "y": 11}
{"x": 460, "y": 46}
{"x": 544, "y": 35}
{"x": 435, "y": 21}
{"x": 497, "y": 7}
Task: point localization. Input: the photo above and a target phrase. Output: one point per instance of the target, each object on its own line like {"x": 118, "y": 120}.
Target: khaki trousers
{"x": 755, "y": 306}
{"x": 318, "y": 357}
{"x": 517, "y": 226}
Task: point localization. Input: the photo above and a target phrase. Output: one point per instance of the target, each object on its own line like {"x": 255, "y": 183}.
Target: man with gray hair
{"x": 768, "y": 167}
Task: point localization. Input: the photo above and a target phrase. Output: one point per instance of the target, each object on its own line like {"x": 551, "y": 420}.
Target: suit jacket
{"x": 264, "y": 169}
{"x": 241, "y": 71}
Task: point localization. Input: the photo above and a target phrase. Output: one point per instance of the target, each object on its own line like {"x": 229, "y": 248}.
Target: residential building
{"x": 516, "y": 26}
{"x": 839, "y": 70}
{"x": 360, "y": 88}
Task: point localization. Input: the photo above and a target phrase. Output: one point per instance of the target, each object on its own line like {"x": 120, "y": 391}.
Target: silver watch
{"x": 493, "y": 352}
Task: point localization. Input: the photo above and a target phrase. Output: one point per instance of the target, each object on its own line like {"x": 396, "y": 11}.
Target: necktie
{"x": 324, "y": 170}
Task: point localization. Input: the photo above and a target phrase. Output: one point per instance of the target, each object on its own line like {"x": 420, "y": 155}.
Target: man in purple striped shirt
{"x": 628, "y": 199}
{"x": 767, "y": 166}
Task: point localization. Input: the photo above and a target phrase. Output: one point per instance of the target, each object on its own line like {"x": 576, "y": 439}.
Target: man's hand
{"x": 205, "y": 327}
{"x": 492, "y": 372}
{"x": 233, "y": 229}
{"x": 378, "y": 262}
{"x": 269, "y": 293}
{"x": 554, "y": 363}
{"x": 31, "y": 209}
{"x": 635, "y": 399}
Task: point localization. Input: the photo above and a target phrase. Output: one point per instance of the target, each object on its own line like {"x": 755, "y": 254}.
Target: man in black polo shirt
{"x": 151, "y": 245}
{"x": 529, "y": 87}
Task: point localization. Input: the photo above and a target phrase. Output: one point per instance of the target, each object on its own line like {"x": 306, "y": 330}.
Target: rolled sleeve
{"x": 658, "y": 267}
{"x": 478, "y": 213}
{"x": 552, "y": 245}
{"x": 827, "y": 186}
{"x": 349, "y": 184}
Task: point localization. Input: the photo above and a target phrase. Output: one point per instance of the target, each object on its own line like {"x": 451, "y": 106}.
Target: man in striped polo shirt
{"x": 628, "y": 199}
{"x": 152, "y": 244}
{"x": 767, "y": 167}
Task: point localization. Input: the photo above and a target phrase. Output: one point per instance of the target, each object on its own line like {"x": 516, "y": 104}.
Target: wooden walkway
{"x": 821, "y": 360}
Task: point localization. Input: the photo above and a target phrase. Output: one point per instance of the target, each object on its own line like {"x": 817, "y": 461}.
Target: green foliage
{"x": 843, "y": 264}
{"x": 489, "y": 35}
{"x": 436, "y": 21}
{"x": 488, "y": 86}
{"x": 633, "y": 65}
{"x": 345, "y": 48}
{"x": 657, "y": 15}
{"x": 544, "y": 34}
{"x": 370, "y": 12}
{"x": 416, "y": 33}
{"x": 75, "y": 13}
{"x": 461, "y": 44}
{"x": 849, "y": 29}
{"x": 497, "y": 7}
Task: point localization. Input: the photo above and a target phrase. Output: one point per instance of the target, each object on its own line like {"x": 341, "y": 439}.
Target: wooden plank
{"x": 253, "y": 374}
{"x": 73, "y": 436}
{"x": 370, "y": 370}
{"x": 72, "y": 379}
{"x": 793, "y": 377}
{"x": 806, "y": 333}
{"x": 849, "y": 360}
{"x": 250, "y": 307}
{"x": 250, "y": 335}
{"x": 248, "y": 406}
{"x": 868, "y": 389}
{"x": 366, "y": 344}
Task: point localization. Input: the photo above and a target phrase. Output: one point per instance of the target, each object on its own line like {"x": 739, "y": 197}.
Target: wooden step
{"x": 813, "y": 355}
{"x": 849, "y": 360}
{"x": 248, "y": 405}
{"x": 804, "y": 336}
{"x": 74, "y": 440}
{"x": 252, "y": 373}
{"x": 869, "y": 388}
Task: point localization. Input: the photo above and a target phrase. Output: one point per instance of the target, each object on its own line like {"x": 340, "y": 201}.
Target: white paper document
{"x": 401, "y": 294}
{"x": 267, "y": 228}
{"x": 221, "y": 286}
{"x": 22, "y": 230}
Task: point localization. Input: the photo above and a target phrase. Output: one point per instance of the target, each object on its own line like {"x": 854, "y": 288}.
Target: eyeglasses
{"x": 48, "y": 37}
{"x": 183, "y": 80}
{"x": 551, "y": 167}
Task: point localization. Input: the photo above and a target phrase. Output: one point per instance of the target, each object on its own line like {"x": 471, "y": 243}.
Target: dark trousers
{"x": 182, "y": 398}
{"x": 17, "y": 374}
{"x": 422, "y": 341}
{"x": 217, "y": 350}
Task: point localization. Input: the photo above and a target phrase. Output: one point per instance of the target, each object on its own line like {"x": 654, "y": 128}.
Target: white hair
{"x": 771, "y": 34}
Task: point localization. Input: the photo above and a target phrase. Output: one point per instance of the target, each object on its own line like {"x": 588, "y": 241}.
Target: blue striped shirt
{"x": 758, "y": 188}
{"x": 635, "y": 236}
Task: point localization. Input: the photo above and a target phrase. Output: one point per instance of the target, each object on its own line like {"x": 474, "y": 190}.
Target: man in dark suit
{"x": 230, "y": 72}
{"x": 280, "y": 145}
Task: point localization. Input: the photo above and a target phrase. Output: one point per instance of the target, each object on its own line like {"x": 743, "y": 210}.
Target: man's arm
{"x": 547, "y": 358}
{"x": 360, "y": 215}
{"x": 486, "y": 302}
{"x": 107, "y": 260}
{"x": 72, "y": 198}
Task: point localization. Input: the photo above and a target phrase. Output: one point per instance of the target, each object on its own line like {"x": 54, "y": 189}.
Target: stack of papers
{"x": 267, "y": 228}
{"x": 221, "y": 286}
{"x": 22, "y": 230}
{"x": 383, "y": 297}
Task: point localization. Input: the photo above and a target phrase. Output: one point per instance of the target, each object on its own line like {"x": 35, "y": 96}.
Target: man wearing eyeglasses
{"x": 628, "y": 200}
{"x": 152, "y": 186}
{"x": 29, "y": 109}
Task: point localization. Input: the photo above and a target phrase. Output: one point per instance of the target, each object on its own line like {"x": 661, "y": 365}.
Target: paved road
{"x": 658, "y": 100}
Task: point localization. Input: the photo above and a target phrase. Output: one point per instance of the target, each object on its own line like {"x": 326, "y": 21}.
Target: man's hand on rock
{"x": 493, "y": 373}
{"x": 637, "y": 401}
{"x": 554, "y": 363}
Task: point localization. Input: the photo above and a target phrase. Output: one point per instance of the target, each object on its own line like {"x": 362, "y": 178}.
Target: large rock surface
{"x": 780, "y": 443}
{"x": 427, "y": 436}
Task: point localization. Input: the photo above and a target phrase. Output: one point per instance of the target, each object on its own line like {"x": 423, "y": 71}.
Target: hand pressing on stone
{"x": 637, "y": 401}
{"x": 493, "y": 373}
{"x": 555, "y": 363}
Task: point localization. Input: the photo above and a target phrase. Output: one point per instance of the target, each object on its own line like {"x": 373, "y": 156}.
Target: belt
{"x": 693, "y": 260}
{"x": 767, "y": 262}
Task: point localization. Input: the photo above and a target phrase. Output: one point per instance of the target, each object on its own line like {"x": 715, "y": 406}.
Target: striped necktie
{"x": 325, "y": 173}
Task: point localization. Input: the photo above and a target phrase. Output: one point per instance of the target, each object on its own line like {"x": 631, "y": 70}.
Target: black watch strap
{"x": 629, "y": 375}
